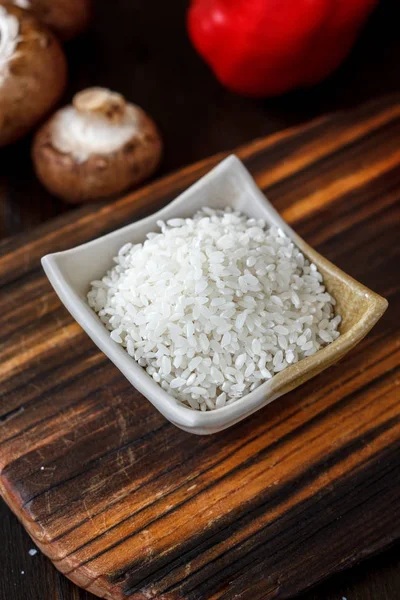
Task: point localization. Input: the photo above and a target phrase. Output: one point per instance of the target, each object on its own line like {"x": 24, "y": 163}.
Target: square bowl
{"x": 228, "y": 184}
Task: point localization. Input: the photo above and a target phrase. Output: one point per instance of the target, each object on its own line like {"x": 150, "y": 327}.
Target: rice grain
{"x": 215, "y": 305}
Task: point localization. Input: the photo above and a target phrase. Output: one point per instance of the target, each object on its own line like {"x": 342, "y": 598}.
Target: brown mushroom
{"x": 96, "y": 147}
{"x": 33, "y": 72}
{"x": 67, "y": 18}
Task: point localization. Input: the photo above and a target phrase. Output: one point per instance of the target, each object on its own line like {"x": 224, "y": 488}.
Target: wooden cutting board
{"x": 124, "y": 503}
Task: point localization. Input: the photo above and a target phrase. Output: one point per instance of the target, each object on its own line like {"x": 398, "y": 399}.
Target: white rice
{"x": 215, "y": 305}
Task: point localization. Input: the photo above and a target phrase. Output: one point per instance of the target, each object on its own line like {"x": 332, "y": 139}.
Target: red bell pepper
{"x": 267, "y": 47}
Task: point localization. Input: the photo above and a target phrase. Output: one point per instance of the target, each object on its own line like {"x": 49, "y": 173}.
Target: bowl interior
{"x": 228, "y": 187}
{"x": 228, "y": 184}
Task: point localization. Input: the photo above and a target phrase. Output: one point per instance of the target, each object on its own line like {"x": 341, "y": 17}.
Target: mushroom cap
{"x": 81, "y": 156}
{"x": 33, "y": 72}
{"x": 67, "y": 18}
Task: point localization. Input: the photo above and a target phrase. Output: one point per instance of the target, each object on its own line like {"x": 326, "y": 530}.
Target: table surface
{"x": 141, "y": 50}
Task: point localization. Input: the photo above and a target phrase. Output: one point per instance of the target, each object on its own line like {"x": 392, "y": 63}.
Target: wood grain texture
{"x": 126, "y": 504}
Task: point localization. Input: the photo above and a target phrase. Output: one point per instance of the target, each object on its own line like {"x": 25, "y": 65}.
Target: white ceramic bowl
{"x": 228, "y": 184}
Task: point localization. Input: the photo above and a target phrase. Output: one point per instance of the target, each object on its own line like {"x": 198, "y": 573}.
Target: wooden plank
{"x": 126, "y": 504}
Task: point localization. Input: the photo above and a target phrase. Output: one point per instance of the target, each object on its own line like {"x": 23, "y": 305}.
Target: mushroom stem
{"x": 101, "y": 102}
{"x": 9, "y": 30}
{"x": 23, "y": 3}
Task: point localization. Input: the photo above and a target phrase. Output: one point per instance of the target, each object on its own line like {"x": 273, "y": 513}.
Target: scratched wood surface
{"x": 124, "y": 503}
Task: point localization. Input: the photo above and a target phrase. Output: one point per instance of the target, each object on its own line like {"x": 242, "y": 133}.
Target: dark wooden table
{"x": 141, "y": 50}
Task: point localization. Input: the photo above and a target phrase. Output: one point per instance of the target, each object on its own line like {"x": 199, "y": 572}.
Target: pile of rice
{"x": 215, "y": 305}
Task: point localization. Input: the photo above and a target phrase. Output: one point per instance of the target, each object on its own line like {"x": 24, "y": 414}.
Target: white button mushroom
{"x": 33, "y": 72}
{"x": 67, "y": 18}
{"x": 96, "y": 147}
